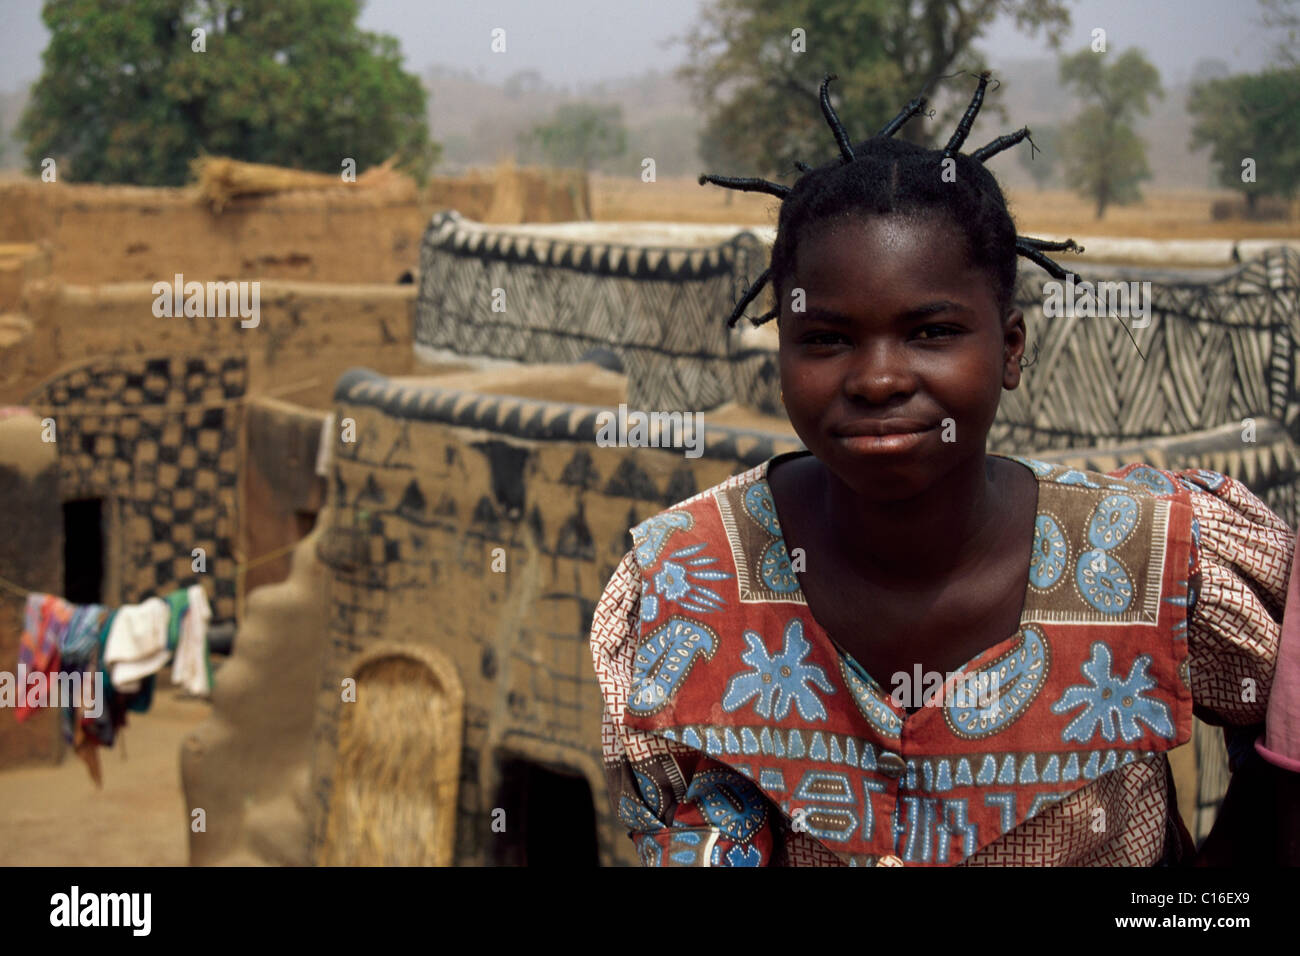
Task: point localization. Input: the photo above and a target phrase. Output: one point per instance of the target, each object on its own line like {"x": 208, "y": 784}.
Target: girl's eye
{"x": 936, "y": 331}
{"x": 822, "y": 338}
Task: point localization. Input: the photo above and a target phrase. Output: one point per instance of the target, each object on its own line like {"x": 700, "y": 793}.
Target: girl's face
{"x": 899, "y": 333}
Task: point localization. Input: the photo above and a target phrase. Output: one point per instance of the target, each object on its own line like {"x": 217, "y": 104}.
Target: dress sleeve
{"x": 1243, "y": 552}
{"x": 680, "y": 807}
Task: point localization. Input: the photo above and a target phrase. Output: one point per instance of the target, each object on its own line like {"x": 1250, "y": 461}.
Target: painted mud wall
{"x": 282, "y": 495}
{"x": 247, "y": 765}
{"x": 659, "y": 307}
{"x": 31, "y": 556}
{"x": 435, "y": 481}
{"x": 156, "y": 438}
{"x": 306, "y": 336}
{"x": 121, "y": 233}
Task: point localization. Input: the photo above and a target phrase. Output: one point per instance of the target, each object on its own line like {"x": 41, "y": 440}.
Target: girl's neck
{"x": 916, "y": 543}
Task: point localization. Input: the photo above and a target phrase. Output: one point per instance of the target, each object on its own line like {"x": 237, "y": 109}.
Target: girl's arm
{"x": 1259, "y": 822}
{"x": 1244, "y": 644}
{"x": 673, "y": 801}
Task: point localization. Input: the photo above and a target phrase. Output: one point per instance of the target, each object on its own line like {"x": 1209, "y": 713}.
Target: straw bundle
{"x": 220, "y": 180}
{"x": 394, "y": 793}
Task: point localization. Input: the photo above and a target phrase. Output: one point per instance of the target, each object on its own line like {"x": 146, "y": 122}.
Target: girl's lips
{"x": 894, "y": 443}
{"x": 883, "y": 426}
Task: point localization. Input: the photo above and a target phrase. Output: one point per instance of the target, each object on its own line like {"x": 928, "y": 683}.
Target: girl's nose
{"x": 878, "y": 373}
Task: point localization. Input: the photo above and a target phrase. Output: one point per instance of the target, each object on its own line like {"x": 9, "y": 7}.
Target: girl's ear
{"x": 1013, "y": 347}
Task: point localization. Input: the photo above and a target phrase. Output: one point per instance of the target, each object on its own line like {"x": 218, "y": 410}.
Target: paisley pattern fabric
{"x": 736, "y": 733}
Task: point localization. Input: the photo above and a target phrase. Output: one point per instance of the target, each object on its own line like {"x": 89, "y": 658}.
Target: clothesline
{"x": 119, "y": 650}
{"x": 239, "y": 568}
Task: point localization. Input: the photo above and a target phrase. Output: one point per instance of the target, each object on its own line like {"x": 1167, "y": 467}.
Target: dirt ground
{"x": 55, "y": 816}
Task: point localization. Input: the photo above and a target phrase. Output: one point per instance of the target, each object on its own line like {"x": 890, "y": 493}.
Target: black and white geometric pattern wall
{"x": 662, "y": 310}
{"x": 157, "y": 438}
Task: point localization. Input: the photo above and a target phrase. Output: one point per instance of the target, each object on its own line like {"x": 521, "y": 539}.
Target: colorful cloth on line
{"x": 736, "y": 733}
{"x": 80, "y": 655}
{"x": 191, "y": 664}
{"x": 45, "y": 620}
{"x": 178, "y": 602}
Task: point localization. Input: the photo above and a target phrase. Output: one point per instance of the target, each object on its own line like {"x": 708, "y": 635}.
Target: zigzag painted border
{"x": 534, "y": 419}
{"x": 451, "y": 232}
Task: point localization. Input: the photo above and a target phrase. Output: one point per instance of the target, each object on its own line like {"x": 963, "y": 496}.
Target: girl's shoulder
{"x": 676, "y": 515}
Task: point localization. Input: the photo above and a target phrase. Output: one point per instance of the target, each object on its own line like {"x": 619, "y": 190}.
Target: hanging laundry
{"x": 60, "y": 617}
{"x": 44, "y": 621}
{"x": 81, "y": 639}
{"x": 137, "y": 644}
{"x": 87, "y": 747}
{"x": 113, "y": 714}
{"x": 79, "y": 654}
{"x": 192, "y": 666}
{"x": 178, "y": 603}
{"x": 117, "y": 654}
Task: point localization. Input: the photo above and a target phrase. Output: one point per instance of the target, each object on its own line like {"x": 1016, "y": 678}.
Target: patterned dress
{"x": 736, "y": 733}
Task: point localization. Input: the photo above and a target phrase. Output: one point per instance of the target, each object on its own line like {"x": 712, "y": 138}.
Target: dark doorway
{"x": 83, "y": 550}
{"x": 549, "y": 818}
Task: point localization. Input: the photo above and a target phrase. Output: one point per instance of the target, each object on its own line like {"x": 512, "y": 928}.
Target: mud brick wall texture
{"x": 437, "y": 479}
{"x": 158, "y": 439}
{"x": 661, "y": 310}
{"x": 31, "y": 556}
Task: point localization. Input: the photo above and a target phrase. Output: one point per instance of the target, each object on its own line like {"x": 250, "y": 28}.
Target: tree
{"x": 522, "y": 83}
{"x": 130, "y": 93}
{"x": 1284, "y": 15}
{"x": 1104, "y": 157}
{"x": 759, "y": 94}
{"x": 1041, "y": 163}
{"x": 1251, "y": 123}
{"x": 581, "y": 134}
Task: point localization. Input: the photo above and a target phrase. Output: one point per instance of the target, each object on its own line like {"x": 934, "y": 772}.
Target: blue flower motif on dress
{"x": 992, "y": 698}
{"x": 1212, "y": 478}
{"x": 1104, "y": 582}
{"x": 1112, "y": 520}
{"x": 636, "y": 817}
{"x": 729, "y": 802}
{"x": 760, "y": 506}
{"x": 776, "y": 570}
{"x": 1049, "y": 552}
{"x": 1076, "y": 477}
{"x": 1151, "y": 479}
{"x": 651, "y": 853}
{"x": 744, "y": 856}
{"x": 649, "y": 791}
{"x": 663, "y": 662}
{"x": 869, "y": 698}
{"x": 649, "y": 603}
{"x": 681, "y": 578}
{"x": 649, "y": 536}
{"x": 778, "y": 681}
{"x": 1110, "y": 700}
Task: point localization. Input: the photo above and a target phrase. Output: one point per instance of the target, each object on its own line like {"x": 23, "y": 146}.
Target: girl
{"x": 894, "y": 648}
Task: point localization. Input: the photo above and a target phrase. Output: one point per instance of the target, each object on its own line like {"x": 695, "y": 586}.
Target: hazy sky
{"x": 576, "y": 41}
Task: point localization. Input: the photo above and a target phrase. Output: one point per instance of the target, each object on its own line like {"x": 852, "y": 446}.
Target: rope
{"x": 239, "y": 568}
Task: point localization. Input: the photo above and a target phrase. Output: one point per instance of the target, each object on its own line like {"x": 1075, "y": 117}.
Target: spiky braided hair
{"x": 882, "y": 175}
